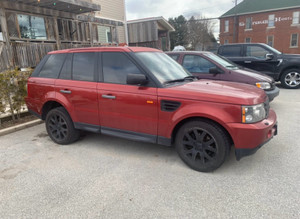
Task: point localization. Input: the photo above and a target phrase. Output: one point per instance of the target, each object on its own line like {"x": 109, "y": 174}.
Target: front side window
{"x": 256, "y": 51}
{"x": 227, "y": 26}
{"x": 197, "y": 64}
{"x": 84, "y": 66}
{"x": 296, "y": 17}
{"x": 53, "y": 66}
{"x": 271, "y": 22}
{"x": 270, "y": 40}
{"x": 249, "y": 23}
{"x": 32, "y": 27}
{"x": 294, "y": 40}
{"x": 116, "y": 67}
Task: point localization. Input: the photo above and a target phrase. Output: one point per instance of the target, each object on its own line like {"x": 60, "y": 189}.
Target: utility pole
{"x": 235, "y": 24}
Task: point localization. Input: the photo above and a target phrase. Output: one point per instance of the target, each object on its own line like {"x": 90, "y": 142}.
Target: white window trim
{"x": 294, "y": 13}
{"x": 269, "y": 19}
{"x": 297, "y": 40}
{"x": 246, "y": 24}
{"x": 272, "y": 40}
{"x": 226, "y": 27}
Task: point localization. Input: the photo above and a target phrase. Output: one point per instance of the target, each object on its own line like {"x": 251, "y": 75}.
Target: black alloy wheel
{"x": 60, "y": 127}
{"x": 202, "y": 145}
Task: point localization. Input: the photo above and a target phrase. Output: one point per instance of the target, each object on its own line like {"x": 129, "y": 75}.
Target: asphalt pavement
{"x": 107, "y": 177}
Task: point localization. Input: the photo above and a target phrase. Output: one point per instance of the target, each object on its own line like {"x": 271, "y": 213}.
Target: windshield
{"x": 222, "y": 61}
{"x": 273, "y": 50}
{"x": 162, "y": 66}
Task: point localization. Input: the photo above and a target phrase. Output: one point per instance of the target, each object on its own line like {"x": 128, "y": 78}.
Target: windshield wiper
{"x": 190, "y": 77}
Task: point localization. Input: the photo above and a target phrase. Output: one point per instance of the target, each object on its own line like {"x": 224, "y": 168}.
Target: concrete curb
{"x": 20, "y": 127}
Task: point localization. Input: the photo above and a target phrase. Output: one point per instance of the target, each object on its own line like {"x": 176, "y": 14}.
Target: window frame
{"x": 271, "y": 21}
{"x": 250, "y": 23}
{"x": 226, "y": 26}
{"x": 297, "y": 40}
{"x": 272, "y": 40}
{"x": 248, "y": 41}
{"x": 30, "y": 15}
{"x": 296, "y": 18}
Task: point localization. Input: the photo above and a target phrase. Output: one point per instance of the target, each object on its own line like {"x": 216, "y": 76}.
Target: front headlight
{"x": 263, "y": 85}
{"x": 252, "y": 114}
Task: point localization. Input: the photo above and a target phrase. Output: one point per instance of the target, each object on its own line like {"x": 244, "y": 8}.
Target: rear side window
{"x": 84, "y": 66}
{"x": 175, "y": 57}
{"x": 52, "y": 66}
{"x": 116, "y": 67}
{"x": 231, "y": 51}
{"x": 67, "y": 68}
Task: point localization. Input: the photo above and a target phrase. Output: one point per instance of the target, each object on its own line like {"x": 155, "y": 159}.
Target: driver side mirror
{"x": 214, "y": 70}
{"x": 269, "y": 56}
{"x": 136, "y": 79}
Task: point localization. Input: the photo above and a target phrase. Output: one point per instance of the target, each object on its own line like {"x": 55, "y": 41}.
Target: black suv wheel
{"x": 291, "y": 78}
{"x": 60, "y": 126}
{"x": 202, "y": 145}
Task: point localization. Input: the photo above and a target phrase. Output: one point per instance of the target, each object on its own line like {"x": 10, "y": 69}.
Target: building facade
{"x": 30, "y": 29}
{"x": 150, "y": 32}
{"x": 274, "y": 22}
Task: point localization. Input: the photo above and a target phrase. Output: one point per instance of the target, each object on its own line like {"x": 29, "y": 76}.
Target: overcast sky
{"x": 173, "y": 8}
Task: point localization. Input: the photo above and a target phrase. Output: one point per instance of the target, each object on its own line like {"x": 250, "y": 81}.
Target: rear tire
{"x": 202, "y": 145}
{"x": 291, "y": 79}
{"x": 60, "y": 126}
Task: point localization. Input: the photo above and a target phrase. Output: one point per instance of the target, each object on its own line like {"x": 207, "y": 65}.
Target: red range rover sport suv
{"x": 143, "y": 94}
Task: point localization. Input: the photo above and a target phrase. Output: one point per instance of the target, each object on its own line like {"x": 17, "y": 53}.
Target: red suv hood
{"x": 216, "y": 91}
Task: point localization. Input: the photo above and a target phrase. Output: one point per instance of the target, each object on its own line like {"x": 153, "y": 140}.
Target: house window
{"x": 249, "y": 23}
{"x": 104, "y": 34}
{"x": 270, "y": 40}
{"x": 226, "y": 26}
{"x": 32, "y": 27}
{"x": 271, "y": 22}
{"x": 248, "y": 40}
{"x": 294, "y": 40}
{"x": 296, "y": 17}
{"x": 225, "y": 41}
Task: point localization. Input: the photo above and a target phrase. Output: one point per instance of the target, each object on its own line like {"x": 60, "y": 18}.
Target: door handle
{"x": 248, "y": 62}
{"x": 65, "y": 91}
{"x": 108, "y": 97}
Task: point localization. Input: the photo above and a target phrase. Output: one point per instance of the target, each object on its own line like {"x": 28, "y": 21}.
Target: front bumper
{"x": 248, "y": 138}
{"x": 272, "y": 93}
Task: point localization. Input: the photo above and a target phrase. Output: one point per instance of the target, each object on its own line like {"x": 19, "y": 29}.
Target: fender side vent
{"x": 169, "y": 106}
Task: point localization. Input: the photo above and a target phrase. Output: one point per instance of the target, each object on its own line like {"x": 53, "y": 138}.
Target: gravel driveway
{"x": 106, "y": 177}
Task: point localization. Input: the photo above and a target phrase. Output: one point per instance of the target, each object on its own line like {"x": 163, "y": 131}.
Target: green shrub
{"x": 13, "y": 91}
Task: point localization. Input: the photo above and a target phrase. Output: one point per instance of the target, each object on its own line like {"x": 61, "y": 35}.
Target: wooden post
{"x": 91, "y": 34}
{"x": 5, "y": 34}
{"x": 58, "y": 43}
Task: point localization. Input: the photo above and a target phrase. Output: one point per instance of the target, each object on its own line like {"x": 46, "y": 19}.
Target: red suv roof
{"x": 106, "y": 49}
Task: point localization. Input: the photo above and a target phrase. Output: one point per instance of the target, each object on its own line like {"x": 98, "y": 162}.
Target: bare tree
{"x": 200, "y": 33}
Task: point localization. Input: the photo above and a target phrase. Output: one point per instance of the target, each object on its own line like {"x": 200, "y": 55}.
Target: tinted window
{"x": 83, "y": 66}
{"x": 53, "y": 65}
{"x": 256, "y": 51}
{"x": 197, "y": 64}
{"x": 116, "y": 67}
{"x": 67, "y": 68}
{"x": 231, "y": 51}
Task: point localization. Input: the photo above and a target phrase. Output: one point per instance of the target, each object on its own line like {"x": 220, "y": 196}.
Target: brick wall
{"x": 281, "y": 32}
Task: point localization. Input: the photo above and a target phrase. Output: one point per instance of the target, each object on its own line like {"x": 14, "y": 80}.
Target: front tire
{"x": 291, "y": 79}
{"x": 202, "y": 145}
{"x": 60, "y": 126}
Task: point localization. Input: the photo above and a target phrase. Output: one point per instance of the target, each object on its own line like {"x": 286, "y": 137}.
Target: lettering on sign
{"x": 277, "y": 19}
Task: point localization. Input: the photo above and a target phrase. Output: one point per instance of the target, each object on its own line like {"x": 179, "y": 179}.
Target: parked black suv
{"x": 265, "y": 59}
